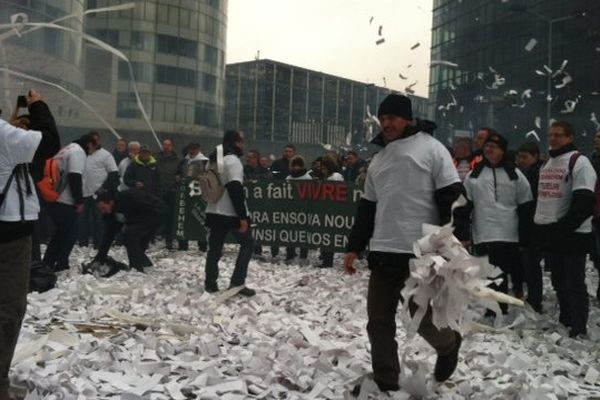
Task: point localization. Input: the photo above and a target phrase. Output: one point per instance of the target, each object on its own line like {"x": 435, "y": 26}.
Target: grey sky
{"x": 334, "y": 36}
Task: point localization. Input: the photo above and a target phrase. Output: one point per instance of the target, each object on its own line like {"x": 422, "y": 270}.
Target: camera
{"x": 22, "y": 102}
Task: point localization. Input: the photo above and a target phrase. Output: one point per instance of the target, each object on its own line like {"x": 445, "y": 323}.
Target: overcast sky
{"x": 335, "y": 37}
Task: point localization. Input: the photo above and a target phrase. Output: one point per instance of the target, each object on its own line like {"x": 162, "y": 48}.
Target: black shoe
{"x": 246, "y": 291}
{"x": 139, "y": 268}
{"x": 574, "y": 333}
{"x": 446, "y": 364}
{"x": 536, "y": 307}
{"x": 211, "y": 289}
{"x": 565, "y": 321}
{"x": 384, "y": 387}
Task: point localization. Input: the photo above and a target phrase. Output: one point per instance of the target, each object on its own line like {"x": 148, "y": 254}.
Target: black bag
{"x": 103, "y": 268}
{"x": 42, "y": 278}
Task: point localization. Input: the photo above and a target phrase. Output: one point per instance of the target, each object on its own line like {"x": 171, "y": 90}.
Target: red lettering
{"x": 303, "y": 189}
{"x": 341, "y": 193}
{"x": 328, "y": 190}
{"x": 316, "y": 191}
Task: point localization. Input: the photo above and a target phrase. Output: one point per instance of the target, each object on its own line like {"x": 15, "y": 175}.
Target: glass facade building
{"x": 495, "y": 49}
{"x": 177, "y": 54}
{"x": 279, "y": 103}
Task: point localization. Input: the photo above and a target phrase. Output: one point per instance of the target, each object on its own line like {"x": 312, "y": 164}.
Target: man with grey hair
{"x": 134, "y": 149}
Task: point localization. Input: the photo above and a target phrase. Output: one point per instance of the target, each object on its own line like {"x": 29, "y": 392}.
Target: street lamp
{"x": 523, "y": 8}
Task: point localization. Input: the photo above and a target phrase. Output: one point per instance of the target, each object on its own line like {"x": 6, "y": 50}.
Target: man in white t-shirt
{"x": 563, "y": 217}
{"x": 229, "y": 214}
{"x": 501, "y": 200}
{"x": 101, "y": 174}
{"x": 411, "y": 181}
{"x": 63, "y": 212}
{"x": 19, "y": 208}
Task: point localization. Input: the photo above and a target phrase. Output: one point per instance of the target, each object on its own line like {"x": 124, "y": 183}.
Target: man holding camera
{"x": 19, "y": 208}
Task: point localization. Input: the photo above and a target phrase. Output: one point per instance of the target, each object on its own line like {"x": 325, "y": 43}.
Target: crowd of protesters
{"x": 523, "y": 208}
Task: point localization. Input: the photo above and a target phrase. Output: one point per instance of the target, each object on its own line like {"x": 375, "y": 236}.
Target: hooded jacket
{"x": 144, "y": 172}
{"x": 42, "y": 120}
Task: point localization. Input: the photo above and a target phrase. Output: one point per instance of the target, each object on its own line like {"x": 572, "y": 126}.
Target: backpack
{"x": 54, "y": 180}
{"x": 210, "y": 181}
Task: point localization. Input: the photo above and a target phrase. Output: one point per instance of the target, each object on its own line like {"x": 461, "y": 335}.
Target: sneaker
{"x": 247, "y": 292}
{"x": 446, "y": 364}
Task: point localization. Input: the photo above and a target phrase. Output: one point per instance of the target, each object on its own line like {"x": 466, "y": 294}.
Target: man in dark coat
{"x": 142, "y": 173}
{"x": 168, "y": 163}
{"x": 138, "y": 214}
{"x": 281, "y": 168}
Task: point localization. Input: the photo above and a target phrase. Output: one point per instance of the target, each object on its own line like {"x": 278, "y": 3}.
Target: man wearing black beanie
{"x": 411, "y": 181}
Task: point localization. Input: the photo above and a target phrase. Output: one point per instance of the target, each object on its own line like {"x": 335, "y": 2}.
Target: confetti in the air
{"x": 534, "y": 134}
{"x": 380, "y": 31}
{"x": 595, "y": 120}
{"x": 402, "y": 76}
{"x": 371, "y": 20}
{"x": 538, "y": 122}
{"x": 414, "y": 46}
{"x": 531, "y": 45}
{"x": 443, "y": 62}
{"x": 380, "y": 41}
{"x": 570, "y": 106}
{"x": 565, "y": 81}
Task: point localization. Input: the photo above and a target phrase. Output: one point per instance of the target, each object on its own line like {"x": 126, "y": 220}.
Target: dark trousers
{"x": 595, "y": 254}
{"x": 169, "y": 224}
{"x": 137, "y": 237}
{"x": 64, "y": 236}
{"x": 219, "y": 226}
{"x": 90, "y": 223}
{"x": 326, "y": 259}
{"x": 568, "y": 278}
{"x": 290, "y": 253}
{"x": 504, "y": 255}
{"x": 531, "y": 257}
{"x": 15, "y": 265}
{"x": 41, "y": 232}
{"x": 388, "y": 276}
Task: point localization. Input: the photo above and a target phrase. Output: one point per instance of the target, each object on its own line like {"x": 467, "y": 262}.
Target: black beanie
{"x": 396, "y": 104}
{"x": 499, "y": 140}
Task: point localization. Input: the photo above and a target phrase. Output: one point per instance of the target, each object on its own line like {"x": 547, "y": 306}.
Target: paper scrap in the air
{"x": 443, "y": 62}
{"x": 371, "y": 20}
{"x": 380, "y": 30}
{"x": 569, "y": 106}
{"x": 534, "y": 134}
{"x": 380, "y": 41}
{"x": 402, "y": 76}
{"x": 565, "y": 81}
{"x": 595, "y": 120}
{"x": 414, "y": 46}
{"x": 538, "y": 122}
{"x": 531, "y": 44}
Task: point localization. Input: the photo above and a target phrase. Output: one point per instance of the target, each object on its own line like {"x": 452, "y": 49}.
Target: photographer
{"x": 19, "y": 208}
{"x": 39, "y": 119}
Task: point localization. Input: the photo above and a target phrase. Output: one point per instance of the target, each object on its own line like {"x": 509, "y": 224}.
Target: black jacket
{"x": 364, "y": 221}
{"x": 280, "y": 168}
{"x": 136, "y": 206}
{"x": 146, "y": 173}
{"x": 352, "y": 172}
{"x": 256, "y": 173}
{"x": 168, "y": 166}
{"x": 43, "y": 121}
{"x": 533, "y": 177}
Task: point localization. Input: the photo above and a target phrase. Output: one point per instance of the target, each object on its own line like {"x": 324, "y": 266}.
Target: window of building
{"x": 98, "y": 70}
{"x": 127, "y": 106}
{"x": 175, "y": 76}
{"x": 206, "y": 114}
{"x": 209, "y": 83}
{"x": 211, "y": 55}
{"x": 175, "y": 45}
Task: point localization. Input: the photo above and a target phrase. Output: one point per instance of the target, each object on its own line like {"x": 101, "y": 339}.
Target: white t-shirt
{"x": 555, "y": 190}
{"x": 335, "y": 177}
{"x": 402, "y": 180}
{"x": 122, "y": 169}
{"x": 305, "y": 177}
{"x": 17, "y": 146}
{"x": 97, "y": 168}
{"x": 232, "y": 171}
{"x": 495, "y": 217}
{"x": 73, "y": 157}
